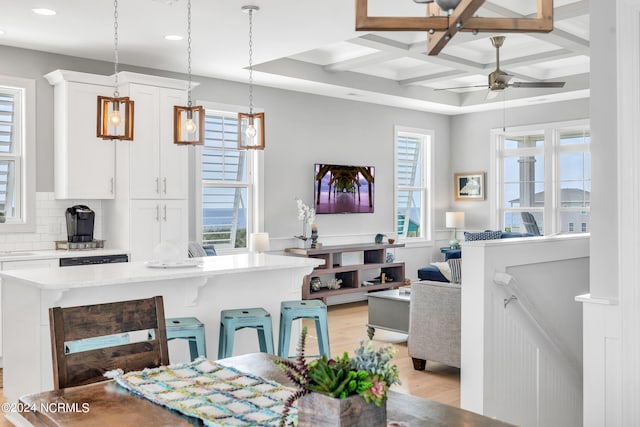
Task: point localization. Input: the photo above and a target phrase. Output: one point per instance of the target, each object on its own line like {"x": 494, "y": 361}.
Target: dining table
{"x": 108, "y": 404}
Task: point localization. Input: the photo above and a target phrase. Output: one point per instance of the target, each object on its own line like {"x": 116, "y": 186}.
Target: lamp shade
{"x": 259, "y": 242}
{"x": 454, "y": 219}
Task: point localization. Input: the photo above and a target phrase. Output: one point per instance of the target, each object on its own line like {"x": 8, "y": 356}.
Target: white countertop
{"x": 53, "y": 254}
{"x": 134, "y": 272}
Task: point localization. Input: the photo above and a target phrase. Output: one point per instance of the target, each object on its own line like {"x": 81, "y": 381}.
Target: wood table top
{"x": 107, "y": 404}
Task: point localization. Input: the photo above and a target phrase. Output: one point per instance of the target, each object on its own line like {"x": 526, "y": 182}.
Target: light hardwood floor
{"x": 348, "y": 326}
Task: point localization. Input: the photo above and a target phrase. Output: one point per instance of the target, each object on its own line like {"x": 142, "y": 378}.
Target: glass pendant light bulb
{"x": 115, "y": 118}
{"x": 251, "y": 131}
{"x": 190, "y": 126}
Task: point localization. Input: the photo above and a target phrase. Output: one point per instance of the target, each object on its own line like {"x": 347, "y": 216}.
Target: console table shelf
{"x": 352, "y": 276}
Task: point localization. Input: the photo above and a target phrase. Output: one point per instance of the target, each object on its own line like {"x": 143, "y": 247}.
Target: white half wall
{"x": 522, "y": 330}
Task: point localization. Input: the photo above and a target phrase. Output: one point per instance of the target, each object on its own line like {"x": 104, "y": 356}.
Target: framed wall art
{"x": 469, "y": 186}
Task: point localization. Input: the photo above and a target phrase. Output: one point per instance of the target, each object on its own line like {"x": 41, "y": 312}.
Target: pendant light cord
{"x": 189, "y": 51}
{"x": 116, "y": 94}
{"x": 504, "y": 111}
{"x": 250, "y": 61}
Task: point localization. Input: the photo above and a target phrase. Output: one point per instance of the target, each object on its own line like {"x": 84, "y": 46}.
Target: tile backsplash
{"x": 51, "y": 224}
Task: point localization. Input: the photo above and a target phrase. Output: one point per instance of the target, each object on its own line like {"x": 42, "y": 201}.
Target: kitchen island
{"x": 199, "y": 287}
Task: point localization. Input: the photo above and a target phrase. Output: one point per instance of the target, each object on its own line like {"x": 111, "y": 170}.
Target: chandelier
{"x": 460, "y": 17}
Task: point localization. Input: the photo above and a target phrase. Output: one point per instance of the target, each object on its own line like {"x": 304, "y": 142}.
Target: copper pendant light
{"x": 188, "y": 122}
{"x": 115, "y": 114}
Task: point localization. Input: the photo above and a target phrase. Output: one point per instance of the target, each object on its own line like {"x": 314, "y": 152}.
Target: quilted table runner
{"x": 218, "y": 395}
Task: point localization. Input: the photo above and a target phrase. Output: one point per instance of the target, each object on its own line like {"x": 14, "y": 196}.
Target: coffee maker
{"x": 80, "y": 219}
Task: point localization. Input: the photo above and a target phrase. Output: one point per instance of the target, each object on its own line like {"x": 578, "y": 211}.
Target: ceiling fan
{"x": 500, "y": 80}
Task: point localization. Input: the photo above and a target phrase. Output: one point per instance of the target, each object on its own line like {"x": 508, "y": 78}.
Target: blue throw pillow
{"x": 484, "y": 235}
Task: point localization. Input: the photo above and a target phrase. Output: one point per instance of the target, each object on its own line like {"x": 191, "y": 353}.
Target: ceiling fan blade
{"x": 503, "y": 78}
{"x": 460, "y": 87}
{"x": 491, "y": 94}
{"x": 537, "y": 84}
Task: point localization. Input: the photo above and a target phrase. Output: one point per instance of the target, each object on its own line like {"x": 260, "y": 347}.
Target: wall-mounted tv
{"x": 343, "y": 189}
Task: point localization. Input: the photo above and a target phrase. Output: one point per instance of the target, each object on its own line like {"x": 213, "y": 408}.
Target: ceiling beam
{"x": 559, "y": 37}
{"x": 378, "y": 42}
{"x": 364, "y": 60}
{"x": 432, "y": 78}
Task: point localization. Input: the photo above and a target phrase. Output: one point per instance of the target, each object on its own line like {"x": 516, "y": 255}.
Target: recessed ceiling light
{"x": 173, "y": 37}
{"x": 1, "y": 32}
{"x": 44, "y": 12}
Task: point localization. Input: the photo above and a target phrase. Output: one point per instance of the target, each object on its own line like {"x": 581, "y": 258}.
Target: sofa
{"x": 432, "y": 272}
{"x": 434, "y": 323}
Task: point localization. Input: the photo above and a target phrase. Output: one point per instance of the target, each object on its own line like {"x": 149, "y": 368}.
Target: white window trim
{"x": 255, "y": 193}
{"x": 550, "y": 152}
{"x": 27, "y": 168}
{"x": 427, "y": 178}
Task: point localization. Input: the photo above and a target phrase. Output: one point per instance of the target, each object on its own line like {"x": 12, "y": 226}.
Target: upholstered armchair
{"x": 434, "y": 323}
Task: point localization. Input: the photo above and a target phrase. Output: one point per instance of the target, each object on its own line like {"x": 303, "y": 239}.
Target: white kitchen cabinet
{"x": 84, "y": 165}
{"x": 155, "y": 221}
{"x": 151, "y": 202}
{"x": 158, "y": 167}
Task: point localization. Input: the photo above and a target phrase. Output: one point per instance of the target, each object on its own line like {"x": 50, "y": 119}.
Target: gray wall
{"x": 471, "y": 149}
{"x": 301, "y": 129}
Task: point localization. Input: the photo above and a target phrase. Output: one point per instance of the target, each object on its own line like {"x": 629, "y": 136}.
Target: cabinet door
{"x": 174, "y": 224}
{"x": 145, "y": 228}
{"x": 144, "y": 166}
{"x": 173, "y": 158}
{"x": 84, "y": 163}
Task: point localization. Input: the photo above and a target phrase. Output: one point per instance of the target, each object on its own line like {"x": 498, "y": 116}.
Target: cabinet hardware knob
{"x": 112, "y": 186}
{"x": 165, "y": 213}
{"x": 158, "y": 213}
{"x": 164, "y": 184}
{"x": 158, "y": 185}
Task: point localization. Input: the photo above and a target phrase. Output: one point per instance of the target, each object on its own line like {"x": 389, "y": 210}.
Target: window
{"x": 17, "y": 151}
{"x": 227, "y": 184}
{"x": 412, "y": 179}
{"x": 10, "y": 150}
{"x": 547, "y": 172}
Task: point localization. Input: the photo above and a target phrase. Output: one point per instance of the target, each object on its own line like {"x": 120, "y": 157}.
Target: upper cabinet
{"x": 84, "y": 164}
{"x": 158, "y": 167}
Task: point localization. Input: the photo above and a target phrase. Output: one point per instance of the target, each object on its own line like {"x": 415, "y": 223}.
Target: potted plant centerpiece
{"x": 341, "y": 392}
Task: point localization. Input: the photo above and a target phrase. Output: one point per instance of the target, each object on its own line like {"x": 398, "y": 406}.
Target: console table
{"x": 355, "y": 278}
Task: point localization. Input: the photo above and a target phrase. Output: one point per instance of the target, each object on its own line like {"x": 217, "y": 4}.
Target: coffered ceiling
{"x": 313, "y": 47}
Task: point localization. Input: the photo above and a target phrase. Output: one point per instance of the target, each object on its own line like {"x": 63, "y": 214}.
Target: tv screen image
{"x": 343, "y": 189}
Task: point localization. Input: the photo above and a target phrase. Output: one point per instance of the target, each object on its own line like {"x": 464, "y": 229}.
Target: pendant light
{"x": 250, "y": 126}
{"x": 115, "y": 115}
{"x": 188, "y": 122}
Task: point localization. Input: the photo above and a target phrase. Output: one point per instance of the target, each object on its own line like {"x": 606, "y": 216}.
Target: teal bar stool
{"x": 233, "y": 320}
{"x": 190, "y": 329}
{"x": 305, "y": 309}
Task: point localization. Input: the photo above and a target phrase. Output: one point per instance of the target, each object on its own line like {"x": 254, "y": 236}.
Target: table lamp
{"x": 454, "y": 220}
{"x": 259, "y": 242}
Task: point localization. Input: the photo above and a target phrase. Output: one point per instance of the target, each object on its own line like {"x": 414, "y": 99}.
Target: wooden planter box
{"x": 320, "y": 410}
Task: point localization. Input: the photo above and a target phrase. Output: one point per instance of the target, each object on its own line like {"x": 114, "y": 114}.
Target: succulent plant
{"x": 369, "y": 374}
{"x": 336, "y": 378}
